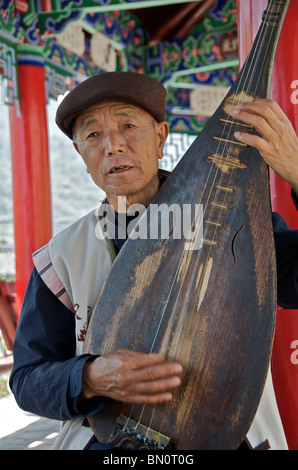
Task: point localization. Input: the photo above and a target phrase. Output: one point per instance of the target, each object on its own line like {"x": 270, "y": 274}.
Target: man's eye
{"x": 92, "y": 134}
{"x": 129, "y": 126}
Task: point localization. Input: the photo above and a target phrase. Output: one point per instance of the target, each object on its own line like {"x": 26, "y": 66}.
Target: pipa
{"x": 212, "y": 309}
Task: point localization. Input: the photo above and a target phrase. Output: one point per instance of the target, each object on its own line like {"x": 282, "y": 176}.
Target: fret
{"x": 236, "y": 123}
{"x": 228, "y": 141}
{"x": 228, "y": 189}
{"x": 216, "y": 224}
{"x": 220, "y": 206}
{"x": 210, "y": 242}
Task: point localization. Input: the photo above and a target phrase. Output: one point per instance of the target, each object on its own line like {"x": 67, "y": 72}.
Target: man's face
{"x": 120, "y": 145}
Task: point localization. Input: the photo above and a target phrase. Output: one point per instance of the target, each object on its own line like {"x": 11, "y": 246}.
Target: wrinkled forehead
{"x": 112, "y": 108}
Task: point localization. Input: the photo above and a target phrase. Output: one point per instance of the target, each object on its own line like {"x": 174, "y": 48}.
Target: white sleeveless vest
{"x": 74, "y": 266}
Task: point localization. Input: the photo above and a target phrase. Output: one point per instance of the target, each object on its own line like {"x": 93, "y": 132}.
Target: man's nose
{"x": 114, "y": 143}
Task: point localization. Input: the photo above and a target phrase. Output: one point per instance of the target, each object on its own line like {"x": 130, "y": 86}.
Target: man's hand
{"x": 278, "y": 143}
{"x": 131, "y": 377}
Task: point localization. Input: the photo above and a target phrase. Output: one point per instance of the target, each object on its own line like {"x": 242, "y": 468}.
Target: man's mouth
{"x": 119, "y": 169}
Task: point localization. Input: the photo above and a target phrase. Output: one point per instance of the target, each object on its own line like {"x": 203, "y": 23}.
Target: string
{"x": 246, "y": 74}
{"x": 177, "y": 271}
{"x": 250, "y": 73}
{"x": 191, "y": 283}
{"x": 231, "y": 174}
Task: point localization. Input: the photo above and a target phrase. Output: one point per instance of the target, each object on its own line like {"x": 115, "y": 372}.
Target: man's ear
{"x": 163, "y": 132}
{"x": 74, "y": 143}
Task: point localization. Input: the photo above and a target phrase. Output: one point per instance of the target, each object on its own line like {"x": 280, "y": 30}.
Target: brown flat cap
{"x": 129, "y": 87}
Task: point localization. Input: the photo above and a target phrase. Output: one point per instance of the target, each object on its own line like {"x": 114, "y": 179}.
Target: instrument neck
{"x": 255, "y": 75}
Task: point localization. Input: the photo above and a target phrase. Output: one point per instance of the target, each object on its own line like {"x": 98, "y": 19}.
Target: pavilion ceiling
{"x": 170, "y": 22}
{"x": 182, "y": 43}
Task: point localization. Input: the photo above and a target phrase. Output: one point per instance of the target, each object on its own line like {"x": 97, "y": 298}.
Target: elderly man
{"x": 117, "y": 123}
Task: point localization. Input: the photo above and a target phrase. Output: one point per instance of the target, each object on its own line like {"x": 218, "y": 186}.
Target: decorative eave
{"x": 208, "y": 55}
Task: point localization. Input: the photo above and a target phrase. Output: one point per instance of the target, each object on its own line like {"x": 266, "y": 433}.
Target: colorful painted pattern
{"x": 213, "y": 40}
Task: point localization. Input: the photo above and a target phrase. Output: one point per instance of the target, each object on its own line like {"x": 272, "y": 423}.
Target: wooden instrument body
{"x": 213, "y": 309}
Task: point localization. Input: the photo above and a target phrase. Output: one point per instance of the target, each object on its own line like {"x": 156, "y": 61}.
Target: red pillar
{"x": 284, "y": 366}
{"x": 285, "y": 73}
{"x": 30, "y": 165}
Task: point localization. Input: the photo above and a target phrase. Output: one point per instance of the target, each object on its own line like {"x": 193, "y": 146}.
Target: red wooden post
{"x": 30, "y": 165}
{"x": 284, "y": 364}
{"x": 283, "y": 88}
